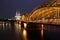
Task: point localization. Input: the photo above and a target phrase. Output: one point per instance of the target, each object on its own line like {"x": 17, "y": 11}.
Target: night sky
{"x": 8, "y": 7}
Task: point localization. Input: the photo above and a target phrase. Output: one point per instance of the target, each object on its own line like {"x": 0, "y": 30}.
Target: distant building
{"x": 17, "y": 16}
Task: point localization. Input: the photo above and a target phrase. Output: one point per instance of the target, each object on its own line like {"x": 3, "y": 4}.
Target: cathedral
{"x": 17, "y": 16}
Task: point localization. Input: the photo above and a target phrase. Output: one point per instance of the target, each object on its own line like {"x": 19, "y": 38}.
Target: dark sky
{"x": 8, "y": 7}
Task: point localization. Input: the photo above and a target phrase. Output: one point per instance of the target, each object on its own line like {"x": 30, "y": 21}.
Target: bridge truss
{"x": 50, "y": 11}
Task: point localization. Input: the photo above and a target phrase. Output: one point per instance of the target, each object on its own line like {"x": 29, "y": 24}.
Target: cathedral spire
{"x": 17, "y": 16}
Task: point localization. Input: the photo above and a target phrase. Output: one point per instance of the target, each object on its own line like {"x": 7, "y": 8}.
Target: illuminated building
{"x": 17, "y": 17}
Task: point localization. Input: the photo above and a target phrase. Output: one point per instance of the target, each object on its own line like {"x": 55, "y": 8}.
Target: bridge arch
{"x": 49, "y": 10}
{"x": 46, "y": 12}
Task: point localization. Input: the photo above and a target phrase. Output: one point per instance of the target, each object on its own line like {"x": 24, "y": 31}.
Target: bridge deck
{"x": 47, "y": 21}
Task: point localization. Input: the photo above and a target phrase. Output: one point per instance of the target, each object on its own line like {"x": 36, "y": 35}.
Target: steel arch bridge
{"x": 51, "y": 10}
{"x": 49, "y": 14}
{"x": 46, "y": 12}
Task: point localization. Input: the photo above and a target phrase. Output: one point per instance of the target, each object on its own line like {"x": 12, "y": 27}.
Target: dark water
{"x": 33, "y": 31}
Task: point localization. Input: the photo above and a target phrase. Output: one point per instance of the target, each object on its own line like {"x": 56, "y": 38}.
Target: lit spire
{"x": 17, "y": 17}
{"x": 16, "y": 13}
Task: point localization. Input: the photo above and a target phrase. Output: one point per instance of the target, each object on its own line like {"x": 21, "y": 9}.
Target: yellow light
{"x": 23, "y": 18}
{"x": 24, "y": 35}
{"x": 20, "y": 26}
{"x": 24, "y": 32}
{"x": 25, "y": 25}
{"x": 42, "y": 26}
{"x": 42, "y": 32}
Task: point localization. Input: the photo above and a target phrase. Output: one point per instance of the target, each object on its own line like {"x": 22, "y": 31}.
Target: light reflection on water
{"x": 17, "y": 27}
{"x": 5, "y": 25}
{"x": 42, "y": 31}
{"x": 23, "y": 33}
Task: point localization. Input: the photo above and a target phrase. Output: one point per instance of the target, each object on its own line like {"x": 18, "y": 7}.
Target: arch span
{"x": 46, "y": 12}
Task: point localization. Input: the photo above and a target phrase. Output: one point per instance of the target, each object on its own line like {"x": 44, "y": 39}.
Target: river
{"x": 29, "y": 31}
